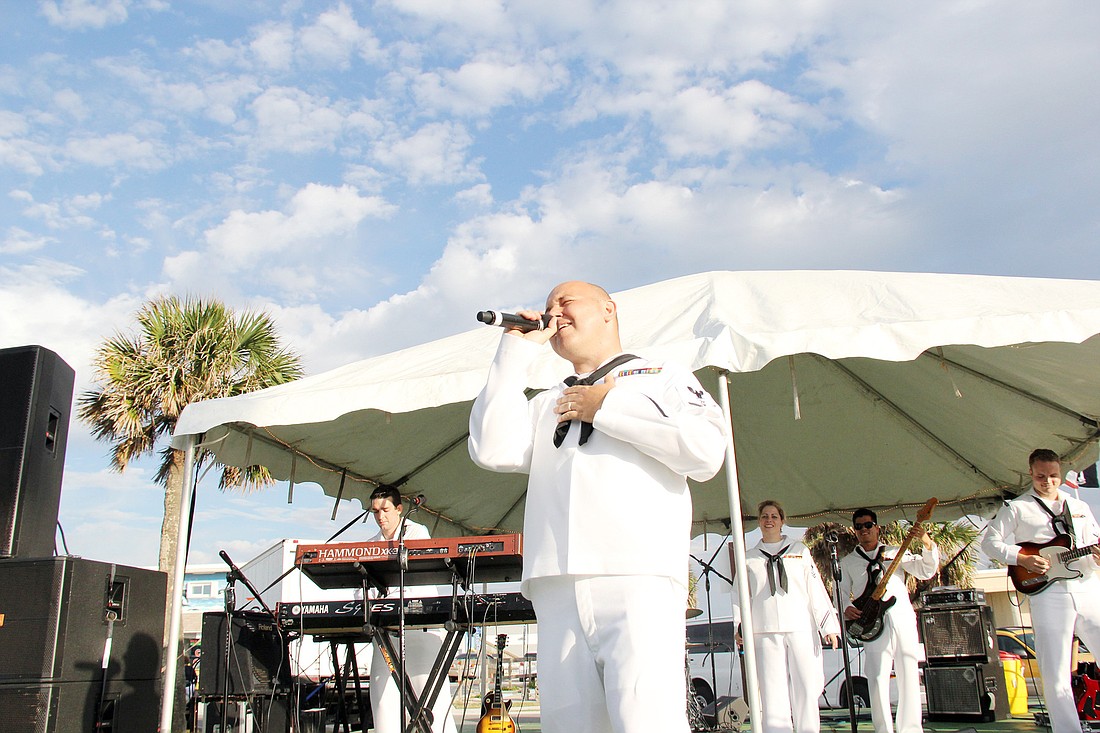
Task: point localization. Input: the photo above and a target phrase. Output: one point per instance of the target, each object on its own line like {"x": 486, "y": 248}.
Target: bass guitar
{"x": 496, "y": 719}
{"x": 872, "y": 608}
{"x": 1059, "y": 553}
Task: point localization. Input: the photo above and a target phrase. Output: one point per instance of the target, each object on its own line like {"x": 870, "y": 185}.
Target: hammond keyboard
{"x": 345, "y": 617}
{"x": 482, "y": 559}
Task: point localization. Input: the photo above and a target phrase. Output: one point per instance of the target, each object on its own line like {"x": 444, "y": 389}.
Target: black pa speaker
{"x": 963, "y": 633}
{"x": 966, "y": 692}
{"x": 59, "y": 612}
{"x": 36, "y": 397}
{"x": 127, "y": 706}
{"x": 258, "y": 657}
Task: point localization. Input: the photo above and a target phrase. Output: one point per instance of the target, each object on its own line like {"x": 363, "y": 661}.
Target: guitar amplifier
{"x": 953, "y": 595}
{"x": 966, "y": 692}
{"x": 958, "y": 633}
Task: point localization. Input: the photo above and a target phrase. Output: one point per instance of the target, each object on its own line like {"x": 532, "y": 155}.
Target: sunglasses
{"x": 863, "y": 525}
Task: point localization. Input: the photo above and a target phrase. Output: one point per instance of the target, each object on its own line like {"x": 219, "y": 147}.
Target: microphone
{"x": 511, "y": 320}
{"x": 832, "y": 537}
{"x": 418, "y": 499}
{"x": 235, "y": 571}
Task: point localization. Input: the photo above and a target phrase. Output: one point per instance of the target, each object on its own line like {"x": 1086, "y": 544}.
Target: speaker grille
{"x": 966, "y": 691}
{"x": 963, "y": 633}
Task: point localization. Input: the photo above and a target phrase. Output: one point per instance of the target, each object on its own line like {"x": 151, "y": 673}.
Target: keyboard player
{"x": 421, "y": 645}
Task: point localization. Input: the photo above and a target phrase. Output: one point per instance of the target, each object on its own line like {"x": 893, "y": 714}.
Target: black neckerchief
{"x": 586, "y": 427}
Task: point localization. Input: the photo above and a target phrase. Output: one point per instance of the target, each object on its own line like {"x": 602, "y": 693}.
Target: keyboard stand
{"x": 419, "y": 707}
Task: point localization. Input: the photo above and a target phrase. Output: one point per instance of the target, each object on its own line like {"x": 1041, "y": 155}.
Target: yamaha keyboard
{"x": 345, "y": 617}
{"x": 482, "y": 559}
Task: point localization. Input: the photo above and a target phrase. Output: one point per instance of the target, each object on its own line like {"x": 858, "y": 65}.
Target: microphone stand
{"x": 708, "y": 568}
{"x": 832, "y": 538}
{"x": 402, "y": 566}
{"x": 233, "y": 575}
{"x": 230, "y": 606}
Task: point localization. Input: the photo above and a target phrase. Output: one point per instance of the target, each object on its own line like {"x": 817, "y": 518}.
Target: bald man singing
{"x": 608, "y": 514}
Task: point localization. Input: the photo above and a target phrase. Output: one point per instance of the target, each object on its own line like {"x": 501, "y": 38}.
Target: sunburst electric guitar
{"x": 496, "y": 719}
{"x": 1060, "y": 552}
{"x": 871, "y": 621}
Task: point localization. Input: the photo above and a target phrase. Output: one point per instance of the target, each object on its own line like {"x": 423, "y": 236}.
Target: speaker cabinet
{"x": 964, "y": 633}
{"x": 129, "y": 706}
{"x": 36, "y": 397}
{"x": 59, "y": 612}
{"x": 258, "y": 657}
{"x": 966, "y": 692}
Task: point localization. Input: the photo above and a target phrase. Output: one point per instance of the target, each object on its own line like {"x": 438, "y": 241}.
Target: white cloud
{"x": 273, "y": 45}
{"x": 62, "y": 213}
{"x": 488, "y": 81}
{"x": 20, "y": 241}
{"x": 122, "y": 149}
{"x": 295, "y": 121}
{"x": 84, "y": 14}
{"x": 436, "y": 153}
{"x": 335, "y": 37}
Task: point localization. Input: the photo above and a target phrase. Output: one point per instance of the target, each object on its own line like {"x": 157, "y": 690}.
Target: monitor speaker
{"x": 966, "y": 692}
{"x": 59, "y": 612}
{"x": 964, "y": 633}
{"x": 36, "y": 397}
{"x": 258, "y": 658}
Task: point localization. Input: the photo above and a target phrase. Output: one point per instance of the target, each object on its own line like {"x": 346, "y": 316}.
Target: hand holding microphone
{"x": 513, "y": 321}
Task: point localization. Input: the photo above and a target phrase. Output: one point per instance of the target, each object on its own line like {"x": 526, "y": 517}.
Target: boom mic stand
{"x": 833, "y": 538}
{"x": 708, "y": 568}
{"x": 231, "y": 577}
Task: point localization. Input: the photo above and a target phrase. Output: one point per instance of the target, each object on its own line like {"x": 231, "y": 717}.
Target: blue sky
{"x": 372, "y": 174}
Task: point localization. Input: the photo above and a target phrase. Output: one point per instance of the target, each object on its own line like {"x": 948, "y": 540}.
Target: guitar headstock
{"x": 926, "y": 510}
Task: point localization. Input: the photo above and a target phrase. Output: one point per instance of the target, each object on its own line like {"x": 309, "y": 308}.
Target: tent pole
{"x": 740, "y": 577}
{"x": 171, "y": 654}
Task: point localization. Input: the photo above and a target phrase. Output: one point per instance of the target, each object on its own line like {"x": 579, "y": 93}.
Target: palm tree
{"x": 183, "y": 351}
{"x": 955, "y": 540}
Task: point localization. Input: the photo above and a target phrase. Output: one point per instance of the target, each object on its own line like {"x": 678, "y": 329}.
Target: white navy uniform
{"x": 1063, "y": 607}
{"x": 788, "y": 626}
{"x": 898, "y": 645}
{"x": 421, "y": 648}
{"x": 609, "y": 589}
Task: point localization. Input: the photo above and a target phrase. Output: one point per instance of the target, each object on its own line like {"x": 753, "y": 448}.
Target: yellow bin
{"x": 1015, "y": 684}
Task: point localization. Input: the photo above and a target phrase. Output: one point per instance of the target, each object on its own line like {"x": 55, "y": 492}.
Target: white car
{"x": 714, "y": 668}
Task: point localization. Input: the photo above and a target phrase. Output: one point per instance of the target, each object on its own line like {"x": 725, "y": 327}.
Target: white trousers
{"x": 421, "y": 648}
{"x": 898, "y": 647}
{"x": 1055, "y": 615}
{"x": 791, "y": 679}
{"x": 611, "y": 654}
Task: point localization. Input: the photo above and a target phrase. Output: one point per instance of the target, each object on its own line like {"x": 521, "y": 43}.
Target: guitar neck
{"x": 880, "y": 589}
{"x": 1068, "y": 555}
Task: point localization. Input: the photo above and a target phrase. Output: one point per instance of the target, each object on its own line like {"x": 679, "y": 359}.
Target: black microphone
{"x": 418, "y": 499}
{"x": 235, "y": 571}
{"x": 511, "y": 320}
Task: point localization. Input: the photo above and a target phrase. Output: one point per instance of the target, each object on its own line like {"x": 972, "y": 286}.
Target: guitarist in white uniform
{"x": 898, "y": 645}
{"x": 1066, "y": 605}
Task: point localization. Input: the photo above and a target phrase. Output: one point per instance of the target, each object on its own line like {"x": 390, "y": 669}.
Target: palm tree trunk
{"x": 169, "y": 541}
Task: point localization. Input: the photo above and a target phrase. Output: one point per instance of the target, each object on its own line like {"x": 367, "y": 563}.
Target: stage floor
{"x": 526, "y": 719}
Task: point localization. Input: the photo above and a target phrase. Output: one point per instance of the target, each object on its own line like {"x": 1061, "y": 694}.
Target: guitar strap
{"x": 1061, "y": 523}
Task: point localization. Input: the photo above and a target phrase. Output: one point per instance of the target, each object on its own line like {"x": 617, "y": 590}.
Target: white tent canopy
{"x": 847, "y": 389}
{"x": 843, "y": 389}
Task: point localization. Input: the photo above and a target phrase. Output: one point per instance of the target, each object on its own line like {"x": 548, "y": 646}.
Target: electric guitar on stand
{"x": 495, "y": 718}
{"x": 871, "y": 621}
